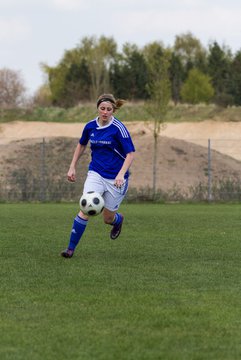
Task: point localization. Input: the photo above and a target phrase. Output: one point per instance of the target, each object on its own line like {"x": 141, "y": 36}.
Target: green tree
{"x": 177, "y": 76}
{"x": 129, "y": 74}
{"x": 83, "y": 72}
{"x": 219, "y": 68}
{"x": 69, "y": 80}
{"x": 190, "y": 51}
{"x": 42, "y": 96}
{"x": 197, "y": 88}
{"x": 235, "y": 79}
{"x": 77, "y": 82}
{"x": 99, "y": 54}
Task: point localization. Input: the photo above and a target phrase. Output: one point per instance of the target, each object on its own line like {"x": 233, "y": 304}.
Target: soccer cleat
{"x": 67, "y": 253}
{"x": 116, "y": 229}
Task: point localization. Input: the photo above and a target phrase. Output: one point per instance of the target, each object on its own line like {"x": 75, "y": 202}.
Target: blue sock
{"x": 78, "y": 229}
{"x": 117, "y": 219}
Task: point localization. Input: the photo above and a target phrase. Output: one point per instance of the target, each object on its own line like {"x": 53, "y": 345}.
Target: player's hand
{"x": 71, "y": 175}
{"x": 119, "y": 182}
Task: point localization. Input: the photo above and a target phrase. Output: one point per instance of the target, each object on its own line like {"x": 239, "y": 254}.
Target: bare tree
{"x": 159, "y": 89}
{"x": 99, "y": 54}
{"x": 12, "y": 89}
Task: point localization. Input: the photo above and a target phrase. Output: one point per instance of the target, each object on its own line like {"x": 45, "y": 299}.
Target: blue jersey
{"x": 109, "y": 146}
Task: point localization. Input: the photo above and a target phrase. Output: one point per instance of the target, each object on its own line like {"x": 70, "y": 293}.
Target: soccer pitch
{"x": 168, "y": 288}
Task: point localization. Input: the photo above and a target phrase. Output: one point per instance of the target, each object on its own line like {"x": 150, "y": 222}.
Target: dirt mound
{"x": 182, "y": 160}
{"x": 225, "y": 136}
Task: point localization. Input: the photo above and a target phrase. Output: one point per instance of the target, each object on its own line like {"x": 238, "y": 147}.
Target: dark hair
{"x": 117, "y": 103}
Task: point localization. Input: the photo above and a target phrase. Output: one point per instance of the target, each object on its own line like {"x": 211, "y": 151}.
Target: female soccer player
{"x": 112, "y": 153}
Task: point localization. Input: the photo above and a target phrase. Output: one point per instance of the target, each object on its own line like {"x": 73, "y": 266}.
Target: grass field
{"x": 132, "y": 111}
{"x": 168, "y": 288}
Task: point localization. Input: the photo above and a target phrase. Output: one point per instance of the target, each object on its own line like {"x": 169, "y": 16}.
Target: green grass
{"x": 168, "y": 288}
{"x": 132, "y": 111}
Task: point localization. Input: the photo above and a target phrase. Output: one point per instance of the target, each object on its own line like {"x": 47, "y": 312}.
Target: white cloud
{"x": 13, "y": 29}
{"x": 152, "y": 25}
{"x": 12, "y": 4}
{"x": 70, "y": 4}
{"x": 45, "y": 28}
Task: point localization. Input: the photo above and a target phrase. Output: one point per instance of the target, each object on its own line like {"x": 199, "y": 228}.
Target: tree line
{"x": 195, "y": 73}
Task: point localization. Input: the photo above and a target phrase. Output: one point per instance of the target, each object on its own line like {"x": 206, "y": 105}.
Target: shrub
{"x": 197, "y": 88}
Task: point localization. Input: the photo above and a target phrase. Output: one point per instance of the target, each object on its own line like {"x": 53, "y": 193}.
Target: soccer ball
{"x": 92, "y": 203}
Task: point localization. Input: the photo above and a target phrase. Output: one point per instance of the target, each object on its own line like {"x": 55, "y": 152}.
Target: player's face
{"x": 105, "y": 110}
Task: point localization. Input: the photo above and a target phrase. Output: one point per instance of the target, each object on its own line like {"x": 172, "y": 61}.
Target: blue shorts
{"x": 112, "y": 195}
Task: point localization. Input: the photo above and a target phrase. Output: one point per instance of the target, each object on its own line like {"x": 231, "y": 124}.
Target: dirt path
{"x": 225, "y": 136}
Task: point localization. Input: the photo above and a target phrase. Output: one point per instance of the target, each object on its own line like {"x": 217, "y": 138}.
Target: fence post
{"x": 209, "y": 172}
{"x": 42, "y": 173}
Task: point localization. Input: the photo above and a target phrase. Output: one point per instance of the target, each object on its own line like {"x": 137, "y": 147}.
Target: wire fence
{"x": 193, "y": 170}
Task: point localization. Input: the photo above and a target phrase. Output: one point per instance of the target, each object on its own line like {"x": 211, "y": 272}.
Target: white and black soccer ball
{"x": 92, "y": 203}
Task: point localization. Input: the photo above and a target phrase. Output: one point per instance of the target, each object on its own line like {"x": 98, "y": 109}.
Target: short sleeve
{"x": 126, "y": 141}
{"x": 85, "y": 136}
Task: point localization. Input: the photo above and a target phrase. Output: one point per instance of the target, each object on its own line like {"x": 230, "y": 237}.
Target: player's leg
{"x": 116, "y": 220}
{"x": 78, "y": 228}
{"x": 92, "y": 183}
{"x": 113, "y": 198}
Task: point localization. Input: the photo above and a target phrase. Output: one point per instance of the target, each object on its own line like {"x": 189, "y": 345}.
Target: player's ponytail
{"x": 119, "y": 103}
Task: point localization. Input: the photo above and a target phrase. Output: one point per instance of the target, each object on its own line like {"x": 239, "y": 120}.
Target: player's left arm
{"x": 119, "y": 180}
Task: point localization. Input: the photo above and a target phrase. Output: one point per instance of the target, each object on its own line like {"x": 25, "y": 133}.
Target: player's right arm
{"x": 72, "y": 169}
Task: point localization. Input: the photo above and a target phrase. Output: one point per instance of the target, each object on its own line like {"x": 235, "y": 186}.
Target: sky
{"x": 39, "y": 31}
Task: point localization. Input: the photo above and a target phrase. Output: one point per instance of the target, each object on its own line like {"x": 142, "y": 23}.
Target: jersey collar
{"x": 103, "y": 127}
